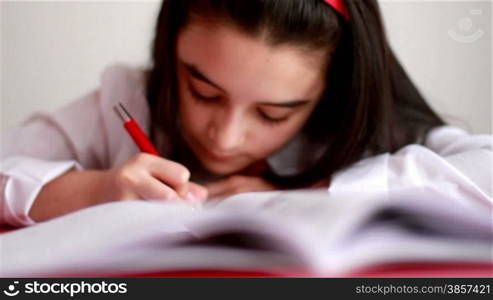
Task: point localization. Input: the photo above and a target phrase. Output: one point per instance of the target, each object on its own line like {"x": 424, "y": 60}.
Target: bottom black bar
{"x": 245, "y": 288}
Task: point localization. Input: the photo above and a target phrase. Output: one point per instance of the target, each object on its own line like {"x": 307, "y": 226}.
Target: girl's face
{"x": 240, "y": 98}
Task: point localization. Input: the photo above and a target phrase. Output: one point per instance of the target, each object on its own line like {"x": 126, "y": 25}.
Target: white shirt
{"x": 87, "y": 134}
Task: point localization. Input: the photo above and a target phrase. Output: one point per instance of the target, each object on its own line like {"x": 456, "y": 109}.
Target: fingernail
{"x": 191, "y": 198}
{"x": 201, "y": 195}
{"x": 174, "y": 199}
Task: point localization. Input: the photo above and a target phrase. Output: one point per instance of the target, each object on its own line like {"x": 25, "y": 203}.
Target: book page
{"x": 140, "y": 236}
{"x": 311, "y": 230}
{"x": 353, "y": 230}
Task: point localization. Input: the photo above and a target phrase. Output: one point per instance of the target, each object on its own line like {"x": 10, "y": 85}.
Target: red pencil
{"x": 139, "y": 137}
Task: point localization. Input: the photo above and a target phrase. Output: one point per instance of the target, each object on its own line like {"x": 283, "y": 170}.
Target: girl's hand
{"x": 147, "y": 176}
{"x": 144, "y": 176}
{"x": 238, "y": 184}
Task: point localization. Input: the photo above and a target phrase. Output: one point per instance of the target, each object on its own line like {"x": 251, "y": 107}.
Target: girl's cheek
{"x": 198, "y": 115}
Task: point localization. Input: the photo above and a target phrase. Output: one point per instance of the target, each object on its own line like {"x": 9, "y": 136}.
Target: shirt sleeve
{"x": 21, "y": 180}
{"x": 471, "y": 155}
{"x": 84, "y": 134}
{"x": 43, "y": 148}
{"x": 450, "y": 160}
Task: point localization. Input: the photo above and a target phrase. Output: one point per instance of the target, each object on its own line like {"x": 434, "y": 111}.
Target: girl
{"x": 244, "y": 96}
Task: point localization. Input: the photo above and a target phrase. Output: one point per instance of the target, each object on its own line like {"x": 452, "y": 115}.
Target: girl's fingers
{"x": 217, "y": 188}
{"x": 168, "y": 172}
{"x": 229, "y": 186}
{"x": 153, "y": 177}
{"x": 152, "y": 189}
{"x": 238, "y": 184}
{"x": 199, "y": 192}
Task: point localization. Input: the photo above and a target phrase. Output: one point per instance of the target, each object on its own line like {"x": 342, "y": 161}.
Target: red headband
{"x": 339, "y": 6}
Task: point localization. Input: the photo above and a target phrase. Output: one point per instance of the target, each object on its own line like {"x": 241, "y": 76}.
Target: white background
{"x": 54, "y": 51}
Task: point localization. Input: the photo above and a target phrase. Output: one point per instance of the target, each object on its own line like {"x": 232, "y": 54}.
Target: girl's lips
{"x": 214, "y": 155}
{"x": 217, "y": 156}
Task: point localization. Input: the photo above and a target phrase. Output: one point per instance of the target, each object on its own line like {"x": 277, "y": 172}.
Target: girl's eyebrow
{"x": 195, "y": 72}
{"x": 200, "y": 76}
{"x": 290, "y": 104}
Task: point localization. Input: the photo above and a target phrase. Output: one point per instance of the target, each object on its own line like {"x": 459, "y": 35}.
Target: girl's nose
{"x": 226, "y": 134}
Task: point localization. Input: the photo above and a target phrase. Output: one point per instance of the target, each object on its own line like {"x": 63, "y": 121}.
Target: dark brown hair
{"x": 370, "y": 105}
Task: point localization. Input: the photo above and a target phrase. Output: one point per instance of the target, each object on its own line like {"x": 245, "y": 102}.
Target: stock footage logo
{"x": 466, "y": 34}
{"x": 70, "y": 288}
{"x": 12, "y": 289}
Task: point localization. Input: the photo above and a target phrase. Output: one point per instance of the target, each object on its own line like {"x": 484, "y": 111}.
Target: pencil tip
{"x": 122, "y": 112}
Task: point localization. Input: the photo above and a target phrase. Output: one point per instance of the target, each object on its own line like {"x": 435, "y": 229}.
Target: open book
{"x": 311, "y": 232}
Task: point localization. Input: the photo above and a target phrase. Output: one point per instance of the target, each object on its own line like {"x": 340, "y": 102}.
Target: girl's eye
{"x": 270, "y": 120}
{"x": 201, "y": 97}
{"x": 208, "y": 99}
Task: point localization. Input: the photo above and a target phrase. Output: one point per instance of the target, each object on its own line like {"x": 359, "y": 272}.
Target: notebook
{"x": 312, "y": 232}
